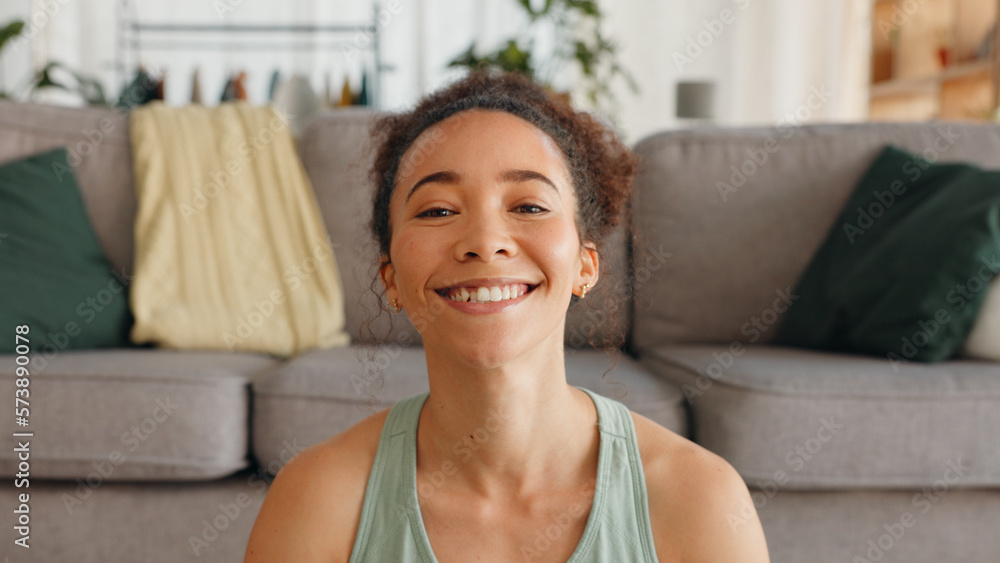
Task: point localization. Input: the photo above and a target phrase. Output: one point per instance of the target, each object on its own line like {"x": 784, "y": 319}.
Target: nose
{"x": 485, "y": 237}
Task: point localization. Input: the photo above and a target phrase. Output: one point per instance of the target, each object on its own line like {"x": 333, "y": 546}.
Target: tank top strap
{"x": 622, "y": 531}
{"x": 613, "y": 417}
{"x": 390, "y": 505}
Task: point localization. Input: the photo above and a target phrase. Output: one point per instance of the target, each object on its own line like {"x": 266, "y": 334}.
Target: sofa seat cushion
{"x": 135, "y": 415}
{"x": 323, "y": 392}
{"x": 802, "y": 419}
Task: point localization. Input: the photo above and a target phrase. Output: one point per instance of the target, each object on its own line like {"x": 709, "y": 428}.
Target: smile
{"x": 486, "y": 294}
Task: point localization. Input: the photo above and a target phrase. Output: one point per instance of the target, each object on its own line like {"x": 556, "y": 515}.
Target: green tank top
{"x": 617, "y": 529}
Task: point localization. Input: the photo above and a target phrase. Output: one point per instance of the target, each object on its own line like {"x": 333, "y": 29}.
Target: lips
{"x": 486, "y": 291}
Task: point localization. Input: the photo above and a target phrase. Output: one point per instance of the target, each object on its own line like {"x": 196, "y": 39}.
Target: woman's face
{"x": 485, "y": 252}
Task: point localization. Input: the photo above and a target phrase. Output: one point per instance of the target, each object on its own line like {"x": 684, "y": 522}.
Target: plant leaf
{"x": 514, "y": 58}
{"x": 10, "y": 31}
{"x": 585, "y": 57}
{"x": 588, "y": 7}
{"x": 467, "y": 58}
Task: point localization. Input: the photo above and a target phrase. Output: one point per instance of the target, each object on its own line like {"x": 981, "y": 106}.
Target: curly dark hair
{"x": 600, "y": 166}
{"x": 601, "y": 169}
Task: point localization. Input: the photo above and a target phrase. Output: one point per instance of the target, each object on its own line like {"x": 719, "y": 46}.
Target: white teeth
{"x": 486, "y": 294}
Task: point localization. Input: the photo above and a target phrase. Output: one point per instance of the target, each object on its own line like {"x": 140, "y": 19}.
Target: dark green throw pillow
{"x": 904, "y": 270}
{"x": 54, "y": 277}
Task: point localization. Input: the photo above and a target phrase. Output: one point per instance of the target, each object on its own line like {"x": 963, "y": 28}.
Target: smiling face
{"x": 485, "y": 251}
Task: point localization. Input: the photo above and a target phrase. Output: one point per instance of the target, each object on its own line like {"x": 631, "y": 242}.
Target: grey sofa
{"x": 836, "y": 448}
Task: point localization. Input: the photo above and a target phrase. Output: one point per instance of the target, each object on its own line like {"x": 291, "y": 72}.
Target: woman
{"x": 492, "y": 201}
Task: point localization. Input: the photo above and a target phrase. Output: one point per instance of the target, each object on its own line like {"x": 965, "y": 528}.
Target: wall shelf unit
{"x": 932, "y": 59}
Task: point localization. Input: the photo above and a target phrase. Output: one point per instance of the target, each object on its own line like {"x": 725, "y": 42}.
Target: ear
{"x": 387, "y": 272}
{"x": 590, "y": 266}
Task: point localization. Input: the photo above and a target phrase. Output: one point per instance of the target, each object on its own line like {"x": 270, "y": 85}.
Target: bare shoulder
{"x": 699, "y": 506}
{"x": 313, "y": 507}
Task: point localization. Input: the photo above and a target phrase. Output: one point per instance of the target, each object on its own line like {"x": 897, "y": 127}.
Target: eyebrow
{"x": 507, "y": 176}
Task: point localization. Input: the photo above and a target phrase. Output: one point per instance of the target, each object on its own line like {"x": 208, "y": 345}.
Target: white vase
{"x": 296, "y": 98}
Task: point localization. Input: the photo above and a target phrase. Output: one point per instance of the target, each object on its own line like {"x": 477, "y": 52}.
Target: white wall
{"x": 768, "y": 58}
{"x": 15, "y": 61}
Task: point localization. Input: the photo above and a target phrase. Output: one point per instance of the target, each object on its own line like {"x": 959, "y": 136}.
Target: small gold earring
{"x": 395, "y": 305}
{"x": 583, "y": 290}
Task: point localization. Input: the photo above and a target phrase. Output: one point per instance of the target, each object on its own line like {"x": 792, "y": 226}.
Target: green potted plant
{"x": 84, "y": 86}
{"x": 593, "y": 52}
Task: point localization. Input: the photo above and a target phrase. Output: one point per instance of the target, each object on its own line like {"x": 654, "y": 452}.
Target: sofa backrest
{"x": 742, "y": 211}
{"x": 99, "y": 152}
{"x": 337, "y": 155}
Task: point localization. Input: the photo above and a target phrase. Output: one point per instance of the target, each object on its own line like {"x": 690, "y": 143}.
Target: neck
{"x": 507, "y": 431}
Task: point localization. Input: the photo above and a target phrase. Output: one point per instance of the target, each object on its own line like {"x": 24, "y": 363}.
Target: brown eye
{"x": 436, "y": 212}
{"x": 531, "y": 209}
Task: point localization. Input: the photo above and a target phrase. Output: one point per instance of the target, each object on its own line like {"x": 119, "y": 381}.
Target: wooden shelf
{"x": 909, "y": 81}
{"x": 907, "y": 86}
